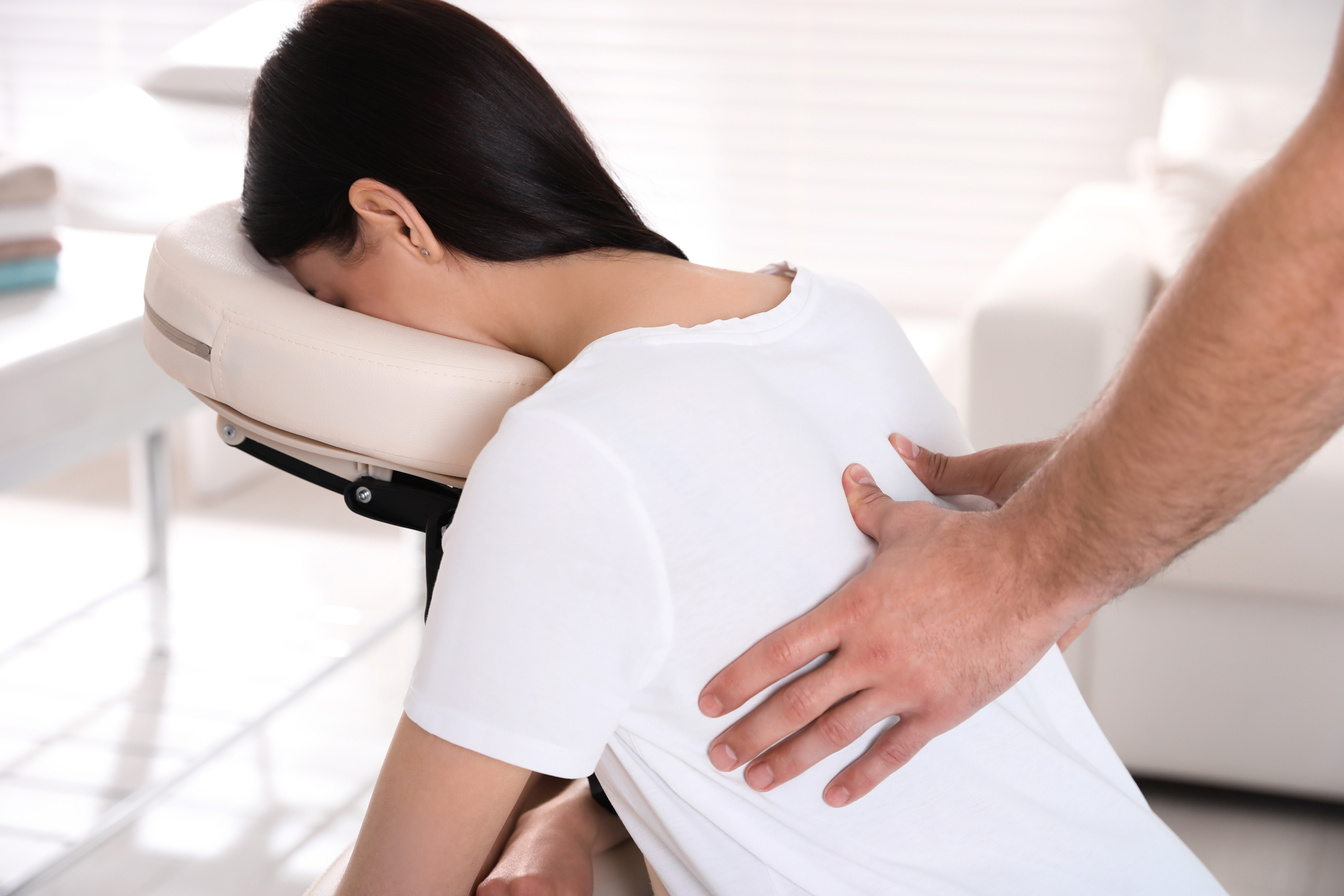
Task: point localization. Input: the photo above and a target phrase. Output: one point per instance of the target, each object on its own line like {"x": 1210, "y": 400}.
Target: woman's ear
{"x": 386, "y": 214}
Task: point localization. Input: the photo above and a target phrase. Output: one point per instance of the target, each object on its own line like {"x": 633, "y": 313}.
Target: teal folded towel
{"x": 28, "y": 273}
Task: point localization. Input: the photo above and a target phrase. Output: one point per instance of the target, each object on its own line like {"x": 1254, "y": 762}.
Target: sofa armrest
{"x": 1049, "y": 327}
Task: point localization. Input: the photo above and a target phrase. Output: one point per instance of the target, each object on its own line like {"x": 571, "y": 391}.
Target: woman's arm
{"x": 437, "y": 820}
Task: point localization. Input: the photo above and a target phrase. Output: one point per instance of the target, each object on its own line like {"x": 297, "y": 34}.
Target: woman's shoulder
{"x": 635, "y": 378}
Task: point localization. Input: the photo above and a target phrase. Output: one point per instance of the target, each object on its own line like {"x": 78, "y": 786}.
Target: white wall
{"x": 909, "y": 145}
{"x": 1279, "y": 40}
{"x": 55, "y": 52}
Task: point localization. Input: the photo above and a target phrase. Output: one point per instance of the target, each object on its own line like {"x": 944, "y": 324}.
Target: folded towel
{"x": 30, "y": 221}
{"x": 42, "y": 246}
{"x": 23, "y": 181}
{"x": 27, "y": 273}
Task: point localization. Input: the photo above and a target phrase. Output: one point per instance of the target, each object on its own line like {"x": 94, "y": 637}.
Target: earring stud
{"x": 424, "y": 252}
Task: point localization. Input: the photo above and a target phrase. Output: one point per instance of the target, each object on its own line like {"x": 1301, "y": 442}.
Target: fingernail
{"x": 760, "y": 777}
{"x": 904, "y": 447}
{"x": 723, "y": 758}
{"x": 710, "y": 705}
{"x": 860, "y": 475}
{"x": 836, "y": 796}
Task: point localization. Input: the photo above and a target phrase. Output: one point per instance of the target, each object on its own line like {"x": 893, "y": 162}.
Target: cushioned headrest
{"x": 243, "y": 334}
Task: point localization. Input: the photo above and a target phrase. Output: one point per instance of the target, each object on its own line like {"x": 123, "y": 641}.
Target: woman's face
{"x": 400, "y": 273}
{"x": 370, "y": 286}
{"x": 392, "y": 284}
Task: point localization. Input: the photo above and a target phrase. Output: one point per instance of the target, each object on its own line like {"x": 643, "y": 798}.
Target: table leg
{"x": 152, "y": 494}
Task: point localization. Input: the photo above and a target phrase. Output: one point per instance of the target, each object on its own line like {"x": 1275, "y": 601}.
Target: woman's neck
{"x": 551, "y": 309}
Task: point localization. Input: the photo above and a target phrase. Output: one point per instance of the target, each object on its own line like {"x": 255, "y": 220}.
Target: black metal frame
{"x": 407, "y": 501}
{"x": 410, "y": 502}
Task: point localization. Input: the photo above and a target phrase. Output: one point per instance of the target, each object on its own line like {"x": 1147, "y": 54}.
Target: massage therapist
{"x": 1235, "y": 379}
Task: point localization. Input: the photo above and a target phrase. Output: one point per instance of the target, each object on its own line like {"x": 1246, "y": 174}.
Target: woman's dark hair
{"x": 432, "y": 101}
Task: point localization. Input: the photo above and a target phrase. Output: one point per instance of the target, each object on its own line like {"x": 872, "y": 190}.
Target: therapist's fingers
{"x": 944, "y": 474}
{"x": 778, "y": 654}
{"x": 876, "y": 515}
{"x": 833, "y": 730}
{"x": 995, "y": 473}
{"x": 893, "y": 749}
{"x": 785, "y": 711}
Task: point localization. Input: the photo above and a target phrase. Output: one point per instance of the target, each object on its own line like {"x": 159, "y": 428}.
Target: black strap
{"x": 434, "y": 553}
{"x": 293, "y": 466}
{"x": 599, "y": 795}
{"x": 407, "y": 501}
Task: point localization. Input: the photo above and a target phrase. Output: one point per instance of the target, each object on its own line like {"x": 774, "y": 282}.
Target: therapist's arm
{"x": 1235, "y": 379}
{"x": 437, "y": 820}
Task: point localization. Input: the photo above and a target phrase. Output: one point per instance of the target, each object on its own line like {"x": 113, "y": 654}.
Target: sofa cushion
{"x": 1290, "y": 544}
{"x": 1212, "y": 135}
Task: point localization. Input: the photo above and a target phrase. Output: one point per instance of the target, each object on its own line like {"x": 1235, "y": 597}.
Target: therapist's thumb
{"x": 994, "y": 473}
{"x": 868, "y": 504}
{"x": 942, "y": 474}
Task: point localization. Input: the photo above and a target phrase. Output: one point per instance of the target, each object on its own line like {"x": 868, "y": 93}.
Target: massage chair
{"x": 389, "y": 417}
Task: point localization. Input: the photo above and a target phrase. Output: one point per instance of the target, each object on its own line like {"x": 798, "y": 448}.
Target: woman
{"x": 666, "y": 499}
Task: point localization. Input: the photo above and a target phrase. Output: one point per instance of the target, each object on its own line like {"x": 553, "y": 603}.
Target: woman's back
{"x": 670, "y": 497}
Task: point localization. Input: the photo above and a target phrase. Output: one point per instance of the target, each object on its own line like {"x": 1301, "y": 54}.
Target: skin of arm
{"x": 552, "y": 847}
{"x": 437, "y": 820}
{"x": 1236, "y": 377}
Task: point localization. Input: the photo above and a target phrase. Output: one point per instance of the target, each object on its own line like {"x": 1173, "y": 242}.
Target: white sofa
{"x": 1228, "y": 668}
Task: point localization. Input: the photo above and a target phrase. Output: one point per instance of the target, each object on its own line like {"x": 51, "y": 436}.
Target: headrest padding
{"x": 242, "y": 332}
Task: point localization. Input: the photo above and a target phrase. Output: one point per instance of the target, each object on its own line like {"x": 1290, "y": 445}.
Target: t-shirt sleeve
{"x": 551, "y": 608}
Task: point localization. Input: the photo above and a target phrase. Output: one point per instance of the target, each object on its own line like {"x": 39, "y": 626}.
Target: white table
{"x": 75, "y": 380}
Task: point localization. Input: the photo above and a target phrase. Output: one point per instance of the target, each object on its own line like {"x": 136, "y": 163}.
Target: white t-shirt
{"x": 663, "y": 502}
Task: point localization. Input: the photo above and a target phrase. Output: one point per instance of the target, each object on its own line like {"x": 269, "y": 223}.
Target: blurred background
{"x": 909, "y": 145}
{"x": 1016, "y": 181}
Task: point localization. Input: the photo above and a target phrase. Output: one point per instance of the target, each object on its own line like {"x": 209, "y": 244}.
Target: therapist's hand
{"x": 995, "y": 473}
{"x": 927, "y": 632}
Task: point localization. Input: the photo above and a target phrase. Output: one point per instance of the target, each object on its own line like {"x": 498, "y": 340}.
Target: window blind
{"x": 905, "y": 145}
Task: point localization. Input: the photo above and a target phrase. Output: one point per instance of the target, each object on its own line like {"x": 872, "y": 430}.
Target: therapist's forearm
{"x": 1237, "y": 377}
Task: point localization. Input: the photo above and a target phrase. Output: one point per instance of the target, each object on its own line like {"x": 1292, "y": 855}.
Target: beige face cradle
{"x": 351, "y": 394}
{"x": 388, "y": 416}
